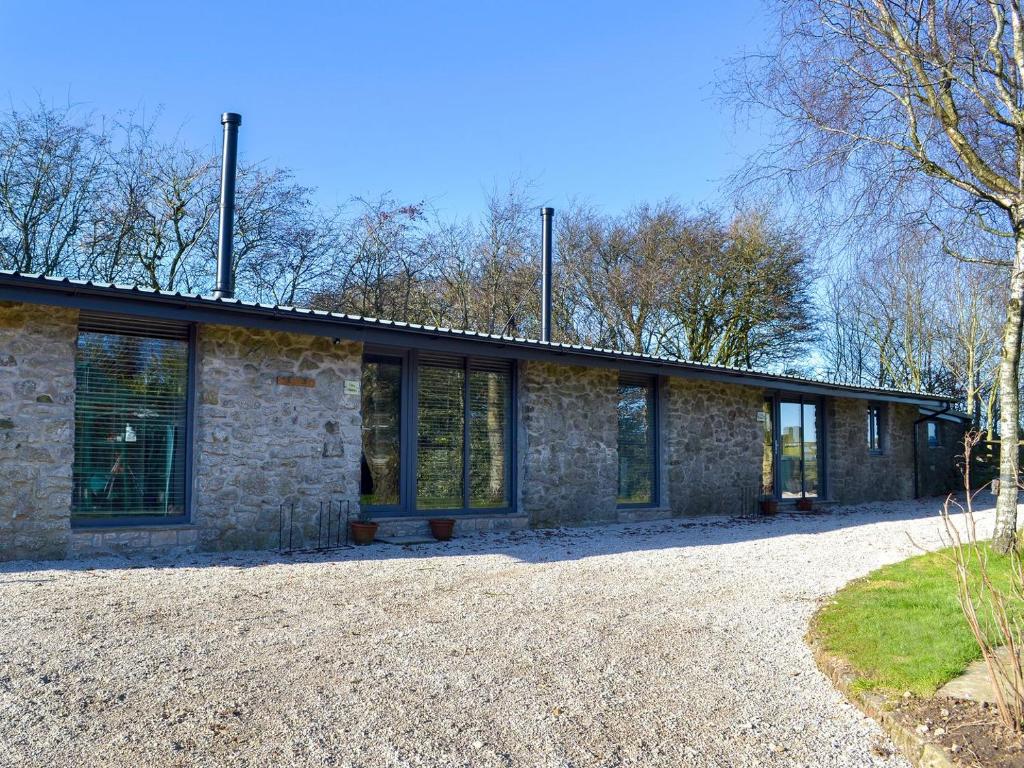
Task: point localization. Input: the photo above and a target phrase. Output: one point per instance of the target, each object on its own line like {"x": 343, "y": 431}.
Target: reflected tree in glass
{"x": 381, "y": 433}
{"x": 489, "y": 430}
{"x": 768, "y": 451}
{"x": 636, "y": 444}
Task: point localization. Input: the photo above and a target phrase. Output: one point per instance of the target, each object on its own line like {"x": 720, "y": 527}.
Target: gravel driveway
{"x": 650, "y": 644}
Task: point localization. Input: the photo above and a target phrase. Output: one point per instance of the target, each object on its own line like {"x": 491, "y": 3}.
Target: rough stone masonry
{"x": 37, "y": 427}
{"x": 274, "y": 425}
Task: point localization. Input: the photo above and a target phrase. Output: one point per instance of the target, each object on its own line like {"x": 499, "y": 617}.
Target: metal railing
{"x": 330, "y": 519}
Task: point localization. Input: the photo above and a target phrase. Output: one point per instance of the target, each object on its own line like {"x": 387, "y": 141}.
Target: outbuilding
{"x": 135, "y": 420}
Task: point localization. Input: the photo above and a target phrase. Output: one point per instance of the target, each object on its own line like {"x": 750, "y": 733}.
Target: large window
{"x": 637, "y": 446}
{"x": 458, "y": 413}
{"x": 131, "y": 421}
{"x": 463, "y": 434}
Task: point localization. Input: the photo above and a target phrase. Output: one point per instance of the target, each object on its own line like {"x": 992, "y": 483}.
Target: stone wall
{"x": 568, "y": 452}
{"x": 941, "y": 468}
{"x": 713, "y": 444}
{"x": 37, "y": 420}
{"x": 278, "y": 421}
{"x": 854, "y": 473}
{"x": 134, "y": 540}
{"x": 275, "y": 424}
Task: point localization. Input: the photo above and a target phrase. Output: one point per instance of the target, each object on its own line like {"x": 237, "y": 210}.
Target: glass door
{"x": 810, "y": 449}
{"x": 798, "y": 454}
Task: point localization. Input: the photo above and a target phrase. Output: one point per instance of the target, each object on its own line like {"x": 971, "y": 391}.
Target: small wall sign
{"x": 351, "y": 386}
{"x": 296, "y": 381}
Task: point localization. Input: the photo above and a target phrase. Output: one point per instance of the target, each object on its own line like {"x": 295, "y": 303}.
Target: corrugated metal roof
{"x": 36, "y": 286}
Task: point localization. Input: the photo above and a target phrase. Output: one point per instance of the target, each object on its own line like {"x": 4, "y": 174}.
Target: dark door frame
{"x": 821, "y": 425}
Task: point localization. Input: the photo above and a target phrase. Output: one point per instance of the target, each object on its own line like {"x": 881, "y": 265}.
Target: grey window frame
{"x": 876, "y": 446}
{"x": 655, "y": 384}
{"x": 403, "y": 429}
{"x": 133, "y": 326}
{"x": 411, "y": 360}
{"x": 938, "y": 433}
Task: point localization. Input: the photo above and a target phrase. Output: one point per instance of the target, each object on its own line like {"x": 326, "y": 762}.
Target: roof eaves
{"x": 234, "y": 304}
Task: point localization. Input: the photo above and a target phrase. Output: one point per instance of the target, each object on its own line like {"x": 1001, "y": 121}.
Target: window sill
{"x": 133, "y": 524}
{"x": 427, "y": 514}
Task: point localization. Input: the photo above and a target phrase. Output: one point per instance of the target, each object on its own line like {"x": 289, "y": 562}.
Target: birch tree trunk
{"x": 1005, "y": 533}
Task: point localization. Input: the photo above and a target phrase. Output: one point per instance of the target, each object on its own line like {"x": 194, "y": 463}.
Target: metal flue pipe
{"x": 546, "y": 217}
{"x": 226, "y": 229}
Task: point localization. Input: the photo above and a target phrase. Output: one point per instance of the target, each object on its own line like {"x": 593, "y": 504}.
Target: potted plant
{"x": 364, "y": 530}
{"x": 441, "y": 528}
{"x": 804, "y": 504}
{"x": 769, "y": 504}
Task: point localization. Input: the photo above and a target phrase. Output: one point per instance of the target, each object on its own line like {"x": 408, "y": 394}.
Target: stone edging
{"x": 921, "y": 752}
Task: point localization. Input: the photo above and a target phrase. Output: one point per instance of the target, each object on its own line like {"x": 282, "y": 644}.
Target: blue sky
{"x": 609, "y": 103}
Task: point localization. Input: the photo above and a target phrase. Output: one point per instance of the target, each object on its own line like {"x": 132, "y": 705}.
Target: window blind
{"x": 439, "y": 441}
{"x": 636, "y": 441}
{"x": 463, "y": 422}
{"x": 131, "y": 430}
{"x": 154, "y": 328}
{"x": 490, "y": 364}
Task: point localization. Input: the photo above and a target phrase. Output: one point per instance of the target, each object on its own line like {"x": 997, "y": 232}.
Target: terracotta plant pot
{"x": 441, "y": 528}
{"x": 769, "y": 506}
{"x": 805, "y": 505}
{"x": 363, "y": 533}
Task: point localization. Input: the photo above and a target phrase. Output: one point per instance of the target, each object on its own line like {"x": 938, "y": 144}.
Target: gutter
{"x": 917, "y": 472}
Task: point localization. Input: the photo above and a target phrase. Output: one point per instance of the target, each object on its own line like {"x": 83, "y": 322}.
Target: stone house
{"x": 136, "y": 420}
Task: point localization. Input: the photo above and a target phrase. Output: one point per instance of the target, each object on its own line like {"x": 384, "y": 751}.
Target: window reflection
{"x": 636, "y": 443}
{"x": 381, "y": 432}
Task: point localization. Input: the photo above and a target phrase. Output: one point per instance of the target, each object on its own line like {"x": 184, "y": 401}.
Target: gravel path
{"x": 657, "y": 644}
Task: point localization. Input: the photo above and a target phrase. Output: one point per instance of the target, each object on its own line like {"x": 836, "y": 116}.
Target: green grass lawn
{"x": 901, "y": 626}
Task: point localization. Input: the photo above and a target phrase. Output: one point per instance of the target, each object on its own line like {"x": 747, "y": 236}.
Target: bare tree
{"x": 622, "y": 269}
{"x": 892, "y": 317}
{"x": 741, "y": 294}
{"x": 903, "y": 315}
{"x": 507, "y": 262}
{"x": 969, "y": 337}
{"x": 916, "y": 105}
{"x": 51, "y": 168}
{"x": 380, "y": 268}
{"x": 158, "y": 209}
{"x": 299, "y": 260}
{"x": 660, "y": 280}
